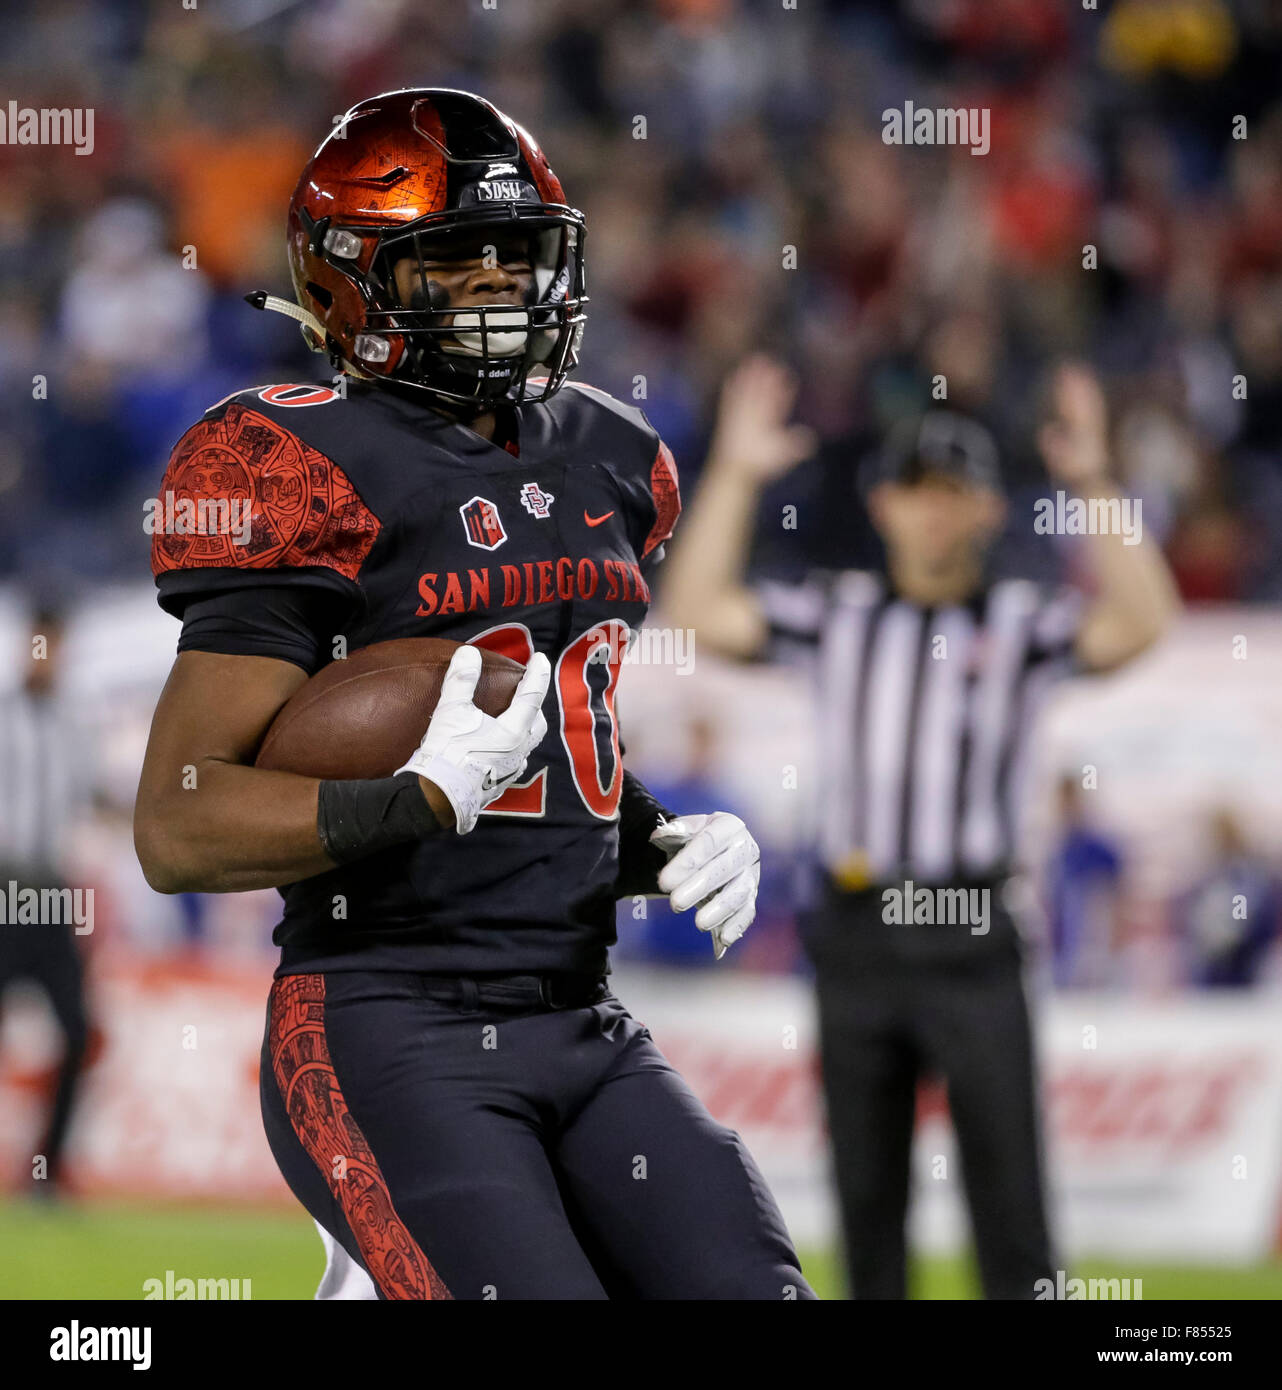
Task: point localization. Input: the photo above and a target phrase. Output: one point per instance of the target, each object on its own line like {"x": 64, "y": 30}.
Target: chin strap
{"x": 260, "y": 299}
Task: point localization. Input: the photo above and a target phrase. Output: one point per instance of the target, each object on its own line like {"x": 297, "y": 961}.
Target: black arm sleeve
{"x": 292, "y": 622}
{"x": 639, "y": 860}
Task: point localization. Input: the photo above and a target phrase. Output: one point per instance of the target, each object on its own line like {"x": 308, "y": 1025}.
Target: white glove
{"x": 716, "y": 863}
{"x": 472, "y": 757}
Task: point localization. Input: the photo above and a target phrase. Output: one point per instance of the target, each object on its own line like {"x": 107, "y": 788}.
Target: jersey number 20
{"x": 589, "y": 729}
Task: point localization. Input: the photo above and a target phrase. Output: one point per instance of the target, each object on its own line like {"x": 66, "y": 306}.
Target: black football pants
{"x": 493, "y": 1145}
{"x": 900, "y": 1002}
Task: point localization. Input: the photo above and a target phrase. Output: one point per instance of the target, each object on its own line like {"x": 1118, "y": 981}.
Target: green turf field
{"x": 108, "y": 1251}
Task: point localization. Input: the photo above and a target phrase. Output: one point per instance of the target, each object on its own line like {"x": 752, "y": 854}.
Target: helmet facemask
{"x": 473, "y": 358}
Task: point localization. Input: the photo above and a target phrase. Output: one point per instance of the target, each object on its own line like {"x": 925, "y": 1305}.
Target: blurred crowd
{"x": 122, "y": 273}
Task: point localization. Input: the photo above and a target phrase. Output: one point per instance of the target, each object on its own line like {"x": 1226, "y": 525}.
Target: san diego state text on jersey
{"x": 428, "y": 530}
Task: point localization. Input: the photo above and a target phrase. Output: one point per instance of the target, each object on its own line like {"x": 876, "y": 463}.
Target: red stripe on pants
{"x": 333, "y": 1140}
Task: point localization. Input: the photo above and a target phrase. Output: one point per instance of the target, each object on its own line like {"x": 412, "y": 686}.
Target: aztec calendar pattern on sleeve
{"x": 302, "y": 509}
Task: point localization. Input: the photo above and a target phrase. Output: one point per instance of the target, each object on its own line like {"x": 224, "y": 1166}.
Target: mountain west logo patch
{"x": 535, "y": 500}
{"x": 482, "y": 524}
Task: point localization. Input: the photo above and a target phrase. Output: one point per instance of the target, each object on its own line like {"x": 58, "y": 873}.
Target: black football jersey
{"x": 415, "y": 526}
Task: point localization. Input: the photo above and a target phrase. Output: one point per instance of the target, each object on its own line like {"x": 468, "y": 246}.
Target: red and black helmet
{"x": 417, "y": 164}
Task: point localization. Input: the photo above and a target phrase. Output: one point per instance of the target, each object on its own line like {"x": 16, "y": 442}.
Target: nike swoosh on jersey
{"x": 596, "y": 520}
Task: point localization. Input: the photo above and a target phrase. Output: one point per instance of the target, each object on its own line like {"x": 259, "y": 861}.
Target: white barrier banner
{"x": 1164, "y": 1120}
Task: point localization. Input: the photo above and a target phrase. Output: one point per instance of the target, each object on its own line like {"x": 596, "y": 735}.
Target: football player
{"x": 448, "y": 1083}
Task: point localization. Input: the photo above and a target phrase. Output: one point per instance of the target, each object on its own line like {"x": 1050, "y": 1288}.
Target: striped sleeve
{"x": 794, "y": 612}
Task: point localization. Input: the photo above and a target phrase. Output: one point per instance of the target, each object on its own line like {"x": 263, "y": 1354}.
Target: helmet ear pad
{"x": 336, "y": 300}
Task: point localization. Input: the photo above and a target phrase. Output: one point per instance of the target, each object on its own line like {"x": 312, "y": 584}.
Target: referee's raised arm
{"x": 1136, "y": 599}
{"x": 752, "y": 445}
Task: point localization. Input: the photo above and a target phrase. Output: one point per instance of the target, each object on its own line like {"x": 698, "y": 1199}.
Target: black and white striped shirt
{"x": 44, "y": 781}
{"x": 923, "y": 717}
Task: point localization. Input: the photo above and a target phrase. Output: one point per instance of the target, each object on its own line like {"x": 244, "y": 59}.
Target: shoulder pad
{"x": 243, "y": 491}
{"x": 630, "y": 413}
{"x": 283, "y": 395}
{"x": 649, "y": 471}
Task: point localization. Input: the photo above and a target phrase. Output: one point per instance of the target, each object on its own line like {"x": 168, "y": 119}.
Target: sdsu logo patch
{"x": 482, "y": 525}
{"x": 535, "y": 500}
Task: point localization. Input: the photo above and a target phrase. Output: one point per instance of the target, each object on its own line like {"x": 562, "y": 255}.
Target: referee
{"x": 45, "y": 773}
{"x": 927, "y": 682}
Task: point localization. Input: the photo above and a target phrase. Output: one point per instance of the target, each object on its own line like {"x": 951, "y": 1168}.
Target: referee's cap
{"x": 938, "y": 441}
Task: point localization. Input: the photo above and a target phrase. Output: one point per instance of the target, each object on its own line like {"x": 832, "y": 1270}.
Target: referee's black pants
{"x": 900, "y": 1002}
{"x": 46, "y": 954}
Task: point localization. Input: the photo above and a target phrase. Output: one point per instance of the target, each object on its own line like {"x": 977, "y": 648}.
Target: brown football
{"x": 365, "y": 715}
